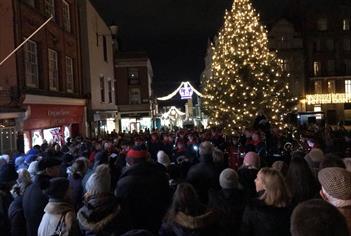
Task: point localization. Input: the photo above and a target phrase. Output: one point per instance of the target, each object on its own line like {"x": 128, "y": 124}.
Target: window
{"x": 331, "y": 67}
{"x": 347, "y": 63}
{"x": 134, "y": 96}
{"x": 30, "y": 2}
{"x": 318, "y": 87}
{"x": 330, "y": 44}
{"x": 347, "y": 44}
{"x": 49, "y": 8}
{"x": 317, "y": 108}
{"x": 31, "y": 64}
{"x": 102, "y": 88}
{"x": 322, "y": 24}
{"x": 316, "y": 68}
{"x": 109, "y": 85}
{"x": 53, "y": 69}
{"x": 69, "y": 75}
{"x": 347, "y": 86}
{"x": 104, "y": 47}
{"x": 285, "y": 65}
{"x": 66, "y": 16}
{"x": 346, "y": 24}
{"x": 331, "y": 86}
{"x": 317, "y": 45}
{"x": 133, "y": 75}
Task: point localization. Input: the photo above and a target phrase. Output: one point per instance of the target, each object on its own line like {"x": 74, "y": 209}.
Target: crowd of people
{"x": 180, "y": 183}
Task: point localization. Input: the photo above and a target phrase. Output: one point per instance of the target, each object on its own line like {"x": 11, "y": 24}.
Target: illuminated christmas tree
{"x": 245, "y": 76}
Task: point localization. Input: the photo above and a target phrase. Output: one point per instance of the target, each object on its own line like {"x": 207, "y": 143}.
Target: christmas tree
{"x": 245, "y": 77}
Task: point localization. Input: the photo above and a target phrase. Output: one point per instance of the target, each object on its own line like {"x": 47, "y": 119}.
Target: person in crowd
{"x": 220, "y": 162}
{"x": 203, "y": 175}
{"x": 332, "y": 160}
{"x": 248, "y": 172}
{"x": 314, "y": 158}
{"x": 8, "y": 176}
{"x": 75, "y": 177}
{"x": 171, "y": 169}
{"x": 269, "y": 214}
{"x": 188, "y": 216}
{"x": 15, "y": 214}
{"x": 316, "y": 217}
{"x": 154, "y": 145}
{"x": 101, "y": 210}
{"x": 280, "y": 166}
{"x": 347, "y": 162}
{"x": 143, "y": 190}
{"x": 59, "y": 217}
{"x": 34, "y": 198}
{"x": 33, "y": 169}
{"x": 336, "y": 189}
{"x": 300, "y": 181}
{"x": 229, "y": 202}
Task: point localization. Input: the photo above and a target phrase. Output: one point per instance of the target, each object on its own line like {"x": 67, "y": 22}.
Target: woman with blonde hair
{"x": 269, "y": 214}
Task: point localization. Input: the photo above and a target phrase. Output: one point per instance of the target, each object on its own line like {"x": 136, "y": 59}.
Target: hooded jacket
{"x": 99, "y": 215}
{"x": 53, "y": 213}
{"x": 184, "y": 225}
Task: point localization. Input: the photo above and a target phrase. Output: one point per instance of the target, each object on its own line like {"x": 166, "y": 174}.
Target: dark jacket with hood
{"x": 16, "y": 217}
{"x": 259, "y": 219}
{"x": 144, "y": 192}
{"x": 229, "y": 203}
{"x": 34, "y": 202}
{"x": 100, "y": 216}
{"x": 186, "y": 225}
{"x": 203, "y": 176}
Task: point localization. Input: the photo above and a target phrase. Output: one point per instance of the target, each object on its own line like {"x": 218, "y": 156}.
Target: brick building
{"x": 134, "y": 77}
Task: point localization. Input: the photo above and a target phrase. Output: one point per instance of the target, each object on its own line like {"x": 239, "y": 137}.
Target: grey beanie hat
{"x": 99, "y": 181}
{"x": 229, "y": 179}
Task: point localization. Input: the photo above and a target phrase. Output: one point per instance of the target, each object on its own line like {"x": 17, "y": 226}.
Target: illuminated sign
{"x": 330, "y": 98}
{"x": 186, "y": 92}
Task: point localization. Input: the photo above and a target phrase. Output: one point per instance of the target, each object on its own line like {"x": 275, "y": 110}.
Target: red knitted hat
{"x": 132, "y": 153}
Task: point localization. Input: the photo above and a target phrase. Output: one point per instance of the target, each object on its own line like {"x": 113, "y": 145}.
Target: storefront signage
{"x": 330, "y": 98}
{"x": 186, "y": 92}
{"x": 47, "y": 116}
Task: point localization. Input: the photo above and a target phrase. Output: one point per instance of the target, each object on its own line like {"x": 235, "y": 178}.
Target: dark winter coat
{"x": 260, "y": 219}
{"x": 203, "y": 176}
{"x": 144, "y": 193}
{"x": 75, "y": 182}
{"x": 247, "y": 178}
{"x": 5, "y": 201}
{"x": 229, "y": 203}
{"x": 99, "y": 216}
{"x": 16, "y": 217}
{"x": 186, "y": 225}
{"x": 34, "y": 202}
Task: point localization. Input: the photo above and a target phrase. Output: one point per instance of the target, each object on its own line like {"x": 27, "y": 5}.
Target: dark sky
{"x": 174, "y": 33}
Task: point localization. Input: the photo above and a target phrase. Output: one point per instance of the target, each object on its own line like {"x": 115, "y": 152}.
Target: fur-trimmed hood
{"x": 195, "y": 222}
{"x": 98, "y": 212}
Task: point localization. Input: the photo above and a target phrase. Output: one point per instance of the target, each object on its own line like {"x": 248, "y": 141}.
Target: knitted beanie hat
{"x": 99, "y": 181}
{"x": 163, "y": 158}
{"x": 228, "y": 179}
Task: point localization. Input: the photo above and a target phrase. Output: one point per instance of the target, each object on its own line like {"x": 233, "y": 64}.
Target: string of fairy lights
{"x": 245, "y": 76}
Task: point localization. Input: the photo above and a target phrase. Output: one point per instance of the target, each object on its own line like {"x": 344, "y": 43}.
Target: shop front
{"x": 104, "y": 122}
{"x": 135, "y": 121}
{"x": 53, "y": 123}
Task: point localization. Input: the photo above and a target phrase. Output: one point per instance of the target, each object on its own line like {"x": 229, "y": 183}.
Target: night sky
{"x": 174, "y": 33}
